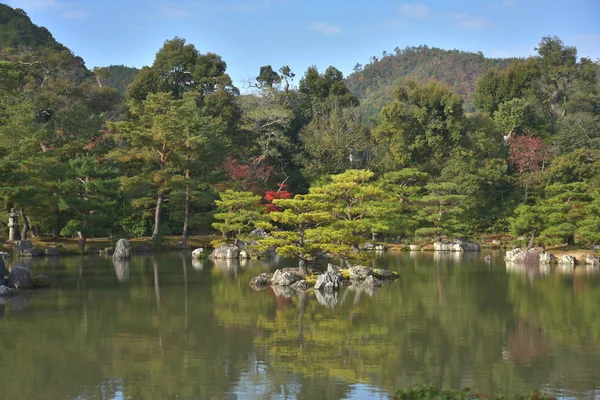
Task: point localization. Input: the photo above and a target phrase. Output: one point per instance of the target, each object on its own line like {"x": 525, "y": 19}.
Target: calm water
{"x": 164, "y": 328}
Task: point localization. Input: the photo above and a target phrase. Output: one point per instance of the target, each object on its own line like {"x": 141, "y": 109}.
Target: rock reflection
{"x": 531, "y": 271}
{"x": 327, "y": 298}
{"x": 198, "y": 265}
{"x": 283, "y": 291}
{"x": 122, "y": 268}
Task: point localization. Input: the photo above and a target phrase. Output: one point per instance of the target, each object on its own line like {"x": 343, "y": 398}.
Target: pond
{"x": 163, "y": 327}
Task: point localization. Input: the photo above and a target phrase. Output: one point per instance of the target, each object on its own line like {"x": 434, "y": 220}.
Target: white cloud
{"x": 325, "y": 28}
{"x": 416, "y": 11}
{"x": 466, "y": 21}
{"x": 74, "y": 14}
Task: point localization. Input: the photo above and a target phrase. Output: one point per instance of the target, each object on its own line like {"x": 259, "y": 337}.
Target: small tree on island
{"x": 336, "y": 219}
{"x": 238, "y": 213}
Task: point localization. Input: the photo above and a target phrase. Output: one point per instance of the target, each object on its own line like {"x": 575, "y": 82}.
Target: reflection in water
{"x": 198, "y": 264}
{"x": 122, "y": 267}
{"x": 530, "y": 270}
{"x": 171, "y": 331}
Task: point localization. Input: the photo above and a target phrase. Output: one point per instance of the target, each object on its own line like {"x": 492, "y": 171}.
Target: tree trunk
{"x": 159, "y": 202}
{"x": 186, "y": 214}
{"x": 571, "y": 240}
{"x": 58, "y": 226}
{"x": 302, "y": 267}
{"x": 26, "y": 228}
{"x": 531, "y": 240}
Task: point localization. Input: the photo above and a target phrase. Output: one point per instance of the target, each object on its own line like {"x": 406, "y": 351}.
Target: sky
{"x": 250, "y": 33}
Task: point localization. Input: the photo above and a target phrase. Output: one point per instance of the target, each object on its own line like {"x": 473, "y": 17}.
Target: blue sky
{"x": 300, "y": 33}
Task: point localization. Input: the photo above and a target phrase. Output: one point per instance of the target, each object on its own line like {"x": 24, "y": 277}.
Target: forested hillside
{"x": 374, "y": 82}
{"x": 76, "y": 155}
{"x": 18, "y": 30}
{"x": 116, "y": 76}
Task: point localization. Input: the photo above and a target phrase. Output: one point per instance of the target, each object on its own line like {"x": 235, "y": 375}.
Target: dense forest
{"x": 83, "y": 151}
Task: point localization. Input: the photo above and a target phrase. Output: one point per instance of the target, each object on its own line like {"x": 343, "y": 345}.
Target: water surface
{"x": 161, "y": 327}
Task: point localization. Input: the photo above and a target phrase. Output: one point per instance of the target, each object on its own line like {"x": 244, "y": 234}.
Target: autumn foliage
{"x": 528, "y": 153}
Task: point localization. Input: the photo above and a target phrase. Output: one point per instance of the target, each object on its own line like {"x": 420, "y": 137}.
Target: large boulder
{"x": 20, "y": 278}
{"x": 359, "y": 272}
{"x": 32, "y": 252}
{"x": 518, "y": 256}
{"x": 414, "y": 247}
{"x": 592, "y": 260}
{"x": 384, "y": 274}
{"x": 228, "y": 251}
{"x": 244, "y": 255}
{"x": 456, "y": 245}
{"x": 284, "y": 277}
{"x": 6, "y": 291}
{"x": 259, "y": 282}
{"x": 21, "y": 245}
{"x": 547, "y": 258}
{"x": 198, "y": 253}
{"x": 52, "y": 252}
{"x": 328, "y": 281}
{"x": 567, "y": 260}
{"x": 122, "y": 249}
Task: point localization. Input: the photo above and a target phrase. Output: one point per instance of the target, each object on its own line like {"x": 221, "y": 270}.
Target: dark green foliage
{"x": 116, "y": 76}
{"x": 432, "y": 393}
{"x": 18, "y": 31}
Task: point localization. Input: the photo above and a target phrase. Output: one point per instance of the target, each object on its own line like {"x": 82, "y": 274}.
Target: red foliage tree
{"x": 528, "y": 153}
{"x": 271, "y": 195}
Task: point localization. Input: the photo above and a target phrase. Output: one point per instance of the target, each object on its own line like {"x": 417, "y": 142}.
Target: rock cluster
{"x": 334, "y": 278}
{"x": 456, "y": 245}
{"x": 18, "y": 279}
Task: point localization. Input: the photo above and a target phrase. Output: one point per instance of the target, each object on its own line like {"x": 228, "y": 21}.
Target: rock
{"x": 414, "y": 247}
{"x": 259, "y": 233}
{"x": 328, "y": 281}
{"x": 371, "y": 281}
{"x": 531, "y": 256}
{"x": 457, "y": 245}
{"x": 6, "y": 291}
{"x": 109, "y": 251}
{"x": 4, "y": 255}
{"x": 52, "y": 252}
{"x": 228, "y": 251}
{"x": 301, "y": 285}
{"x": 33, "y": 252}
{"x": 380, "y": 247}
{"x": 122, "y": 249}
{"x": 93, "y": 250}
{"x": 21, "y": 245}
{"x": 333, "y": 268}
{"x": 198, "y": 253}
{"x": 383, "y": 274}
{"x": 496, "y": 244}
{"x": 141, "y": 249}
{"x": 285, "y": 278}
{"x": 369, "y": 246}
{"x": 244, "y": 255}
{"x": 592, "y": 260}
{"x": 259, "y": 282}
{"x": 20, "y": 278}
{"x": 488, "y": 258}
{"x": 41, "y": 281}
{"x": 547, "y": 258}
{"x": 3, "y": 272}
{"x": 359, "y": 272}
{"x": 567, "y": 260}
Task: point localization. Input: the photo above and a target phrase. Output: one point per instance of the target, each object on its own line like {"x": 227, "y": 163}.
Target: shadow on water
{"x": 165, "y": 326}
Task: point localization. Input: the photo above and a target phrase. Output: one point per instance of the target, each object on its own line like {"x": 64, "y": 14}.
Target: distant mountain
{"x": 17, "y": 30}
{"x": 117, "y": 76}
{"x": 373, "y": 83}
